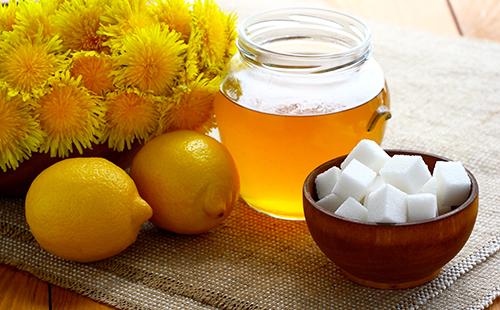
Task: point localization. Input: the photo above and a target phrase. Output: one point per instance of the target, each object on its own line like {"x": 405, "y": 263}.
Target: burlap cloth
{"x": 446, "y": 100}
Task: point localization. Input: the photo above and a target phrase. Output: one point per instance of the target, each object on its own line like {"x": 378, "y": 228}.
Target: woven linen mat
{"x": 445, "y": 100}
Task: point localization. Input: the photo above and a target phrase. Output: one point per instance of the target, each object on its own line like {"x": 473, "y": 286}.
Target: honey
{"x": 274, "y": 153}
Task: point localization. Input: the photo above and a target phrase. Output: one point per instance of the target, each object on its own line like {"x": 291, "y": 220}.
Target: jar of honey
{"x": 303, "y": 89}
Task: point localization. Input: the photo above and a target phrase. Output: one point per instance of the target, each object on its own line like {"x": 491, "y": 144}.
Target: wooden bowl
{"x": 15, "y": 183}
{"x": 390, "y": 256}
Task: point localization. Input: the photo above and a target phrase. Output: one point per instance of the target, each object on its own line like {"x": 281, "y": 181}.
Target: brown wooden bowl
{"x": 390, "y": 256}
{"x": 15, "y": 183}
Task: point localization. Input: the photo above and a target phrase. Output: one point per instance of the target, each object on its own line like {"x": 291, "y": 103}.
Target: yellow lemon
{"x": 85, "y": 209}
{"x": 189, "y": 179}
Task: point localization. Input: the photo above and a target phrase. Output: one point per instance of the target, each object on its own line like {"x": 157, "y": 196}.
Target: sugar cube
{"x": 369, "y": 153}
{"x": 407, "y": 173}
{"x": 352, "y": 209}
{"x": 325, "y": 181}
{"x": 354, "y": 181}
{"x": 421, "y": 206}
{"x": 453, "y": 184}
{"x": 331, "y": 202}
{"x": 377, "y": 182}
{"x": 387, "y": 205}
{"x": 429, "y": 187}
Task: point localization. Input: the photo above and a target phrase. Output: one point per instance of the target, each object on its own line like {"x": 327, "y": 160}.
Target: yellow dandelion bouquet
{"x": 81, "y": 75}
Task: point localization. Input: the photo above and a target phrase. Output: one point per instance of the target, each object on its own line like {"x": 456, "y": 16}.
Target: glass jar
{"x": 303, "y": 89}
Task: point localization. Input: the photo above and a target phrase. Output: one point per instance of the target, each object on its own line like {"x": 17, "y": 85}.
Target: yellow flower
{"x": 75, "y": 73}
{"x": 129, "y": 116}
{"x": 95, "y": 71}
{"x": 33, "y": 18}
{"x": 212, "y": 38}
{"x": 175, "y": 14}
{"x": 8, "y": 16}
{"x": 149, "y": 58}
{"x": 191, "y": 106}
{"x": 20, "y": 133}
{"x": 77, "y": 22}
{"x": 27, "y": 63}
{"x": 69, "y": 116}
{"x": 124, "y": 16}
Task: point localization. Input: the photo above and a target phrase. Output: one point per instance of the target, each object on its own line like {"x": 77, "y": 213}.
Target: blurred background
{"x": 469, "y": 18}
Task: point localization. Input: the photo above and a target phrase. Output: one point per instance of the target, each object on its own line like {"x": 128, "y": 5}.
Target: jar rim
{"x": 356, "y": 38}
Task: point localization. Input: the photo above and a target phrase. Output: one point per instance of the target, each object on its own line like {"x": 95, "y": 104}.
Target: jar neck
{"x": 304, "y": 40}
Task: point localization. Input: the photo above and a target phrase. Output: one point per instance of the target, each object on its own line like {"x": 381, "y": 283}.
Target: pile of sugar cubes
{"x": 374, "y": 187}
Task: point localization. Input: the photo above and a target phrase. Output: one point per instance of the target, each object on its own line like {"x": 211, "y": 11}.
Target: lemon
{"x": 189, "y": 179}
{"x": 85, "y": 209}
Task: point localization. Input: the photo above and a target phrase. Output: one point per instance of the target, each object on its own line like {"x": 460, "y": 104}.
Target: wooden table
{"x": 480, "y": 19}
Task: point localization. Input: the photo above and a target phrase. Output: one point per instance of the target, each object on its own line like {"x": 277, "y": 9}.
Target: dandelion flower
{"x": 149, "y": 58}
{"x": 212, "y": 37}
{"x": 191, "y": 70}
{"x": 129, "y": 116}
{"x": 175, "y": 14}
{"x": 33, "y": 18}
{"x": 124, "y": 16}
{"x": 77, "y": 22}
{"x": 26, "y": 63}
{"x": 191, "y": 106}
{"x": 76, "y": 73}
{"x": 8, "y": 16}
{"x": 20, "y": 134}
{"x": 95, "y": 71}
{"x": 69, "y": 116}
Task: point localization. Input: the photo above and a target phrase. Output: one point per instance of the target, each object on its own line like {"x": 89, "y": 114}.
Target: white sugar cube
{"x": 354, "y": 181}
{"x": 352, "y": 209}
{"x": 453, "y": 185}
{"x": 406, "y": 172}
{"x": 387, "y": 205}
{"x": 421, "y": 207}
{"x": 369, "y": 153}
{"x": 325, "y": 181}
{"x": 377, "y": 182}
{"x": 429, "y": 187}
{"x": 331, "y": 202}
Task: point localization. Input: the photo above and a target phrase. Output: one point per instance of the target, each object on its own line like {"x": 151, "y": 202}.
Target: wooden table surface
{"x": 469, "y": 18}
